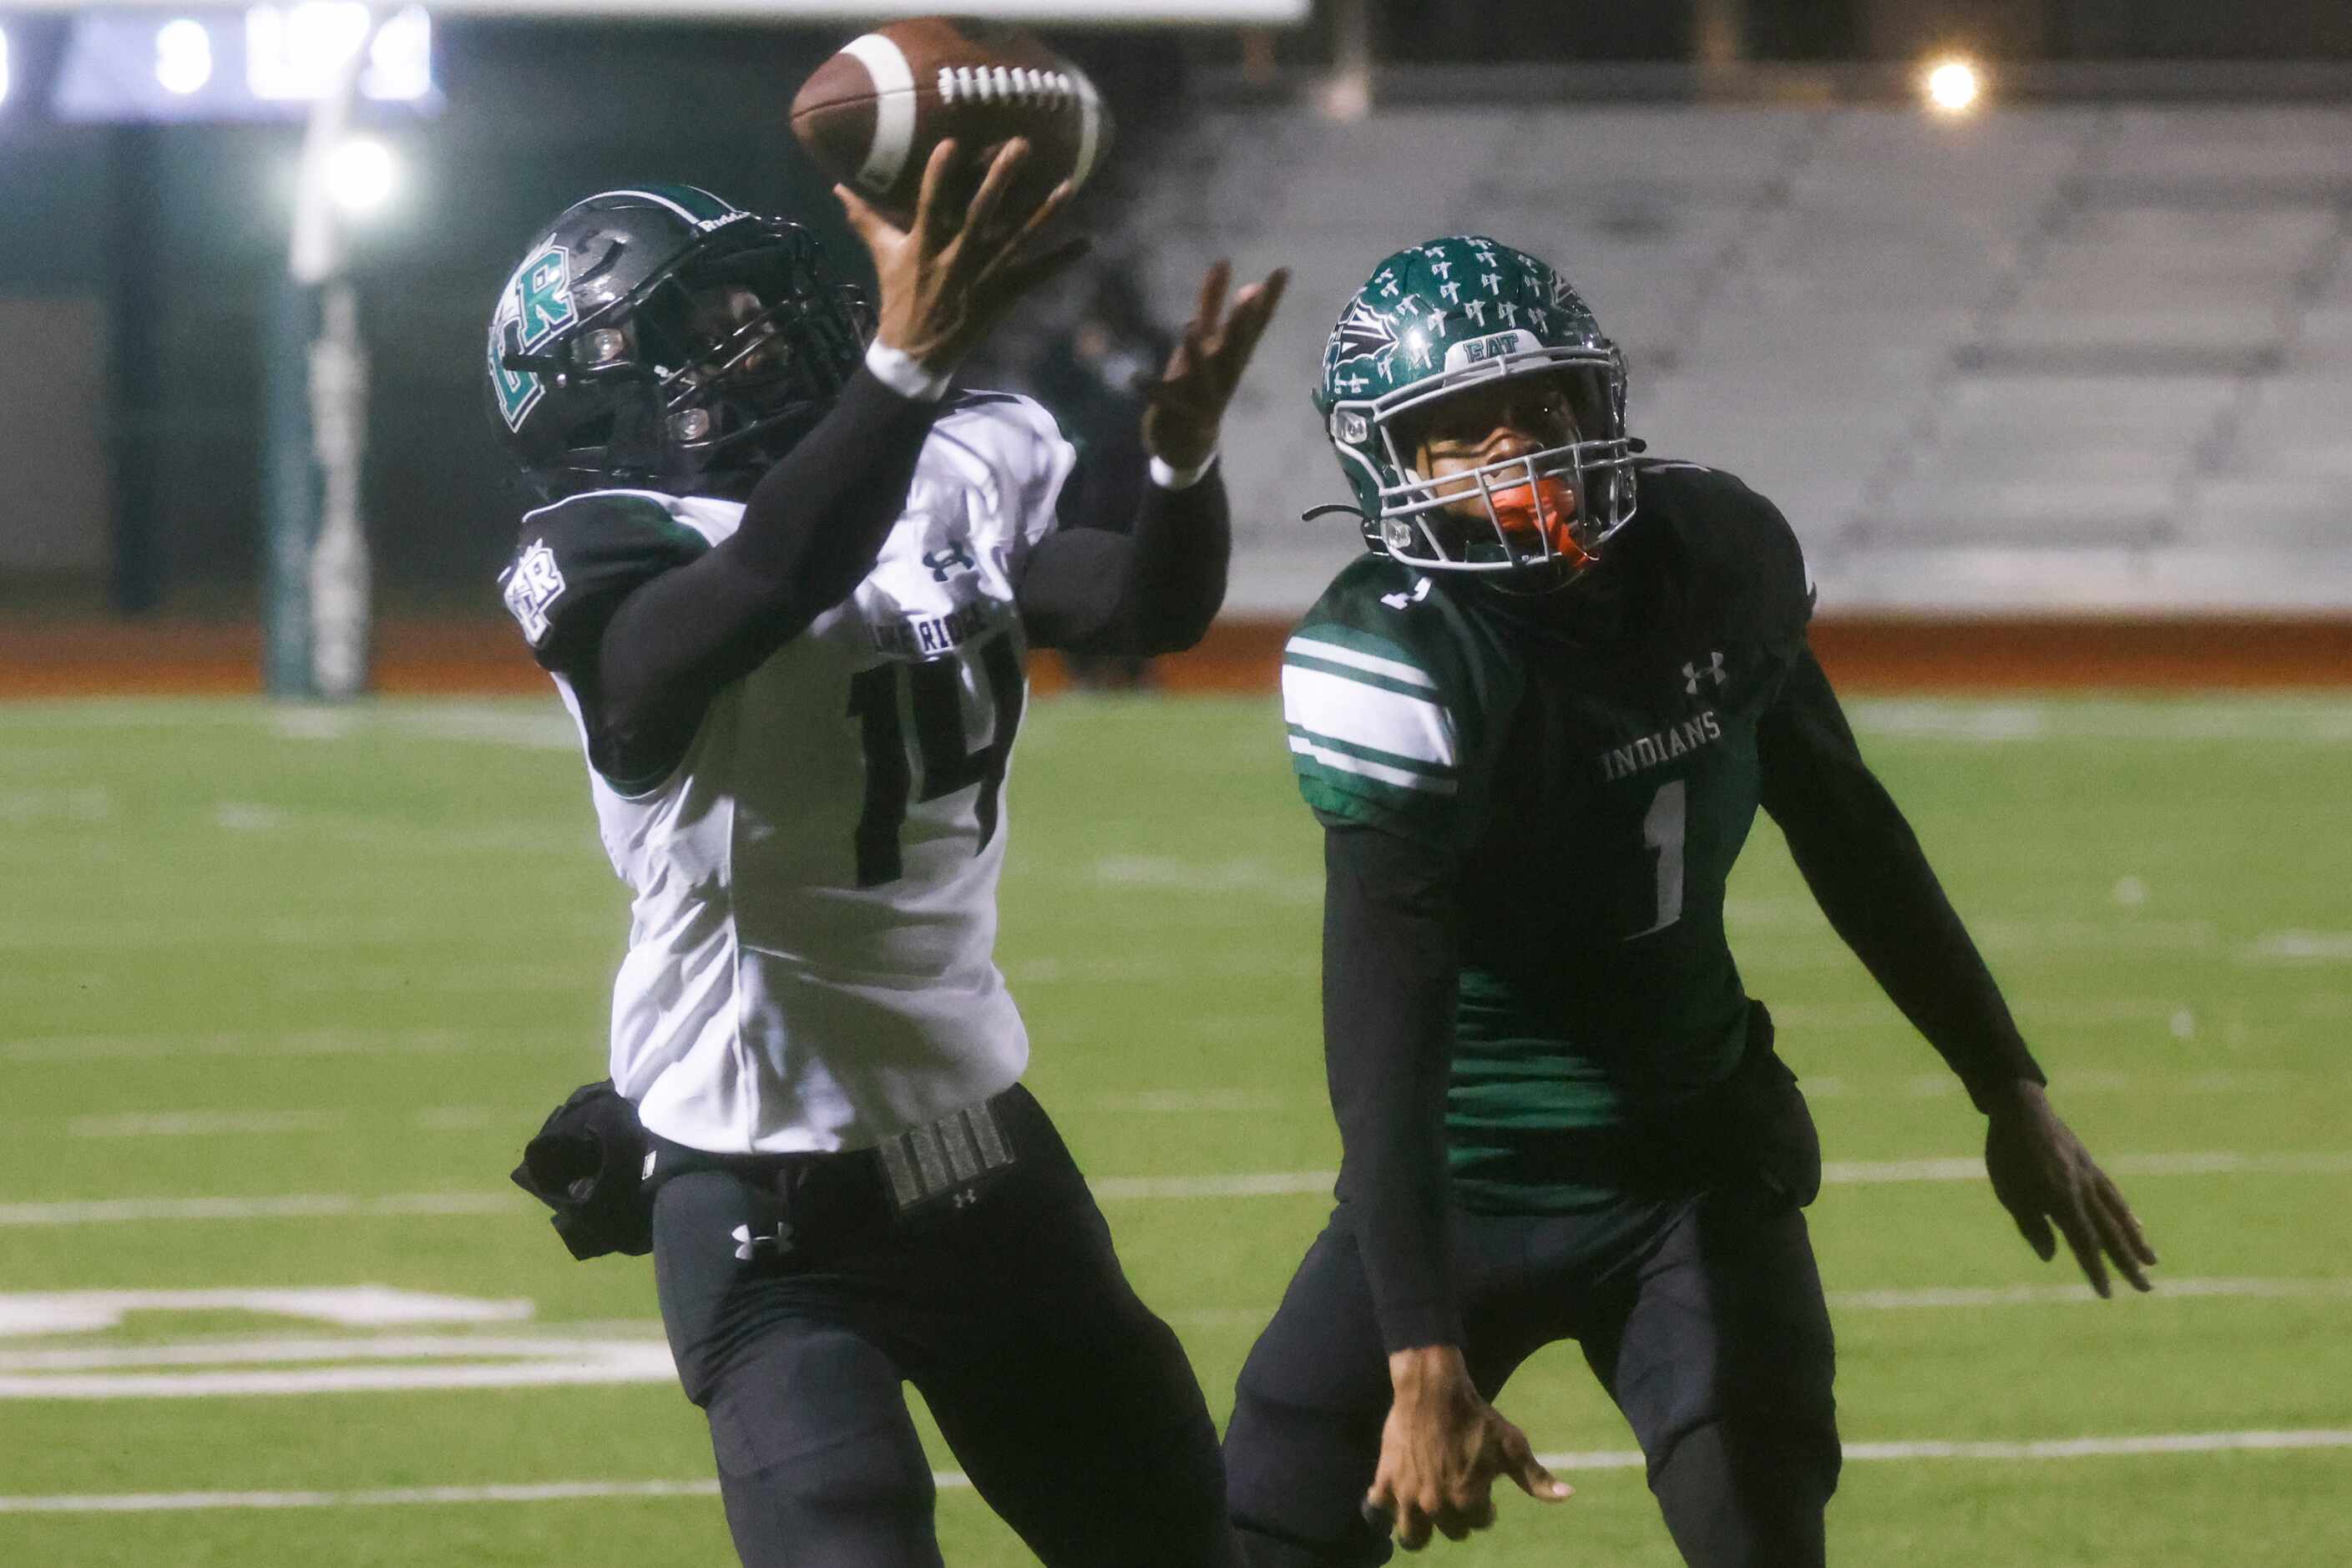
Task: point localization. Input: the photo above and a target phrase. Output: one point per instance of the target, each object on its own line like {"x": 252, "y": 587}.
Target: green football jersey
{"x": 1590, "y": 757}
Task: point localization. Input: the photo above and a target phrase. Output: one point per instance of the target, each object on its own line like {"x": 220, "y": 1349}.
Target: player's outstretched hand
{"x": 949, "y": 277}
{"x": 1188, "y": 403}
{"x": 1442, "y": 1449}
{"x": 2044, "y": 1176}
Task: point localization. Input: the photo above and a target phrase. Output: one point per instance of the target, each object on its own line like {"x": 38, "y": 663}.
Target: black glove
{"x": 587, "y": 1164}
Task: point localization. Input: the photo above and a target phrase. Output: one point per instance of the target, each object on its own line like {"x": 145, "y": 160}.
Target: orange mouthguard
{"x": 1544, "y": 508}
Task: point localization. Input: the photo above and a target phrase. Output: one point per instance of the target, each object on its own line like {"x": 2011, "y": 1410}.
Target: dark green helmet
{"x": 660, "y": 336}
{"x": 1456, "y": 313}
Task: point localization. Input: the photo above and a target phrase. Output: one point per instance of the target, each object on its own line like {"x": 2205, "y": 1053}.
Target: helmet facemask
{"x": 745, "y": 351}
{"x": 1543, "y": 512}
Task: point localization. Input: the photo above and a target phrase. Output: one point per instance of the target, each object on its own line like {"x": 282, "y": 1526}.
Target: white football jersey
{"x": 811, "y": 948}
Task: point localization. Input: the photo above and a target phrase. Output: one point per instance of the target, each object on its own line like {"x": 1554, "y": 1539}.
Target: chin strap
{"x": 1311, "y": 513}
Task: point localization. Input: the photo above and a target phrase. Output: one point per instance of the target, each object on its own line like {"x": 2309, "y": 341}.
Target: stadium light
{"x": 3, "y": 65}
{"x": 295, "y": 53}
{"x": 1954, "y": 86}
{"x": 361, "y": 175}
{"x": 184, "y": 57}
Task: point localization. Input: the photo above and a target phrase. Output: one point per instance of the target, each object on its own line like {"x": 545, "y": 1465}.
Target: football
{"x": 872, "y": 114}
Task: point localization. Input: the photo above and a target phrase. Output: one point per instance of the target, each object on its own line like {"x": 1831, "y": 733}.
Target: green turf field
{"x": 281, "y": 991}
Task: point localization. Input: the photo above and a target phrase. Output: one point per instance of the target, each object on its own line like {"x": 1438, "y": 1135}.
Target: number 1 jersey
{"x": 1588, "y": 759}
{"x": 811, "y": 961}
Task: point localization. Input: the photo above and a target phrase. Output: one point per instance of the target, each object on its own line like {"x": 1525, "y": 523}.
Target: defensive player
{"x": 786, "y": 585}
{"x": 1536, "y": 725}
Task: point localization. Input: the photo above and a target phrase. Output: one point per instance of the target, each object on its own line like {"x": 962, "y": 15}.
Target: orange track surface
{"x": 83, "y": 658}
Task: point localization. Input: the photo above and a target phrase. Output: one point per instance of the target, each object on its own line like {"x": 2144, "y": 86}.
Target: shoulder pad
{"x": 1386, "y": 702}
{"x": 1021, "y": 442}
{"x": 576, "y": 559}
{"x": 1736, "y": 543}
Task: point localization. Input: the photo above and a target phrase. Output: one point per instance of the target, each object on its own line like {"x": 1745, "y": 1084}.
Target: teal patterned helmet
{"x": 1458, "y": 313}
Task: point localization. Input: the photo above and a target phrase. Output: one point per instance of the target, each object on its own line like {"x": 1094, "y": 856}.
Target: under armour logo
{"x": 966, "y": 1198}
{"x": 957, "y": 557}
{"x": 1692, "y": 674}
{"x": 747, "y": 1245}
{"x": 1403, "y": 600}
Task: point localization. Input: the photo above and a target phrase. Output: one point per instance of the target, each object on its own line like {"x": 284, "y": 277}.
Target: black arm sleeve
{"x": 811, "y": 530}
{"x": 1872, "y": 879}
{"x": 1152, "y": 590}
{"x": 1389, "y": 971}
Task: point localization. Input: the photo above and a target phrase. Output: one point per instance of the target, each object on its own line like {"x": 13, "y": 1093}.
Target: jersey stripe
{"x": 1305, "y": 644}
{"x": 1351, "y": 709}
{"x": 1369, "y": 754}
{"x": 1324, "y": 756}
{"x": 1356, "y": 677}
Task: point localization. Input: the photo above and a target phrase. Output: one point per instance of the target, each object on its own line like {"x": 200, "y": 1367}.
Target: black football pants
{"x": 1069, "y": 1405}
{"x": 1701, "y": 1312}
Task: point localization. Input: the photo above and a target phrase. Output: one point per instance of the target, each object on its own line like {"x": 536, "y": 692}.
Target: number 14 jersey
{"x": 811, "y": 947}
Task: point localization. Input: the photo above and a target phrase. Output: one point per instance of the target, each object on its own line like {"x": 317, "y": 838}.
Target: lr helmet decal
{"x": 518, "y": 391}
{"x": 543, "y": 290}
{"x": 537, "y": 305}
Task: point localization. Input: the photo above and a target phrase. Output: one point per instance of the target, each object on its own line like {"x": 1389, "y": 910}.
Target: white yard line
{"x": 205, "y": 1123}
{"x": 2035, "y": 1451}
{"x": 297, "y": 1205}
{"x": 475, "y": 837}
{"x": 1185, "y": 1101}
{"x": 117, "y": 936}
{"x": 1109, "y": 1189}
{"x": 71, "y": 803}
{"x": 1261, "y": 1184}
{"x": 1243, "y": 878}
{"x": 537, "y": 727}
{"x": 313, "y": 1348}
{"x": 261, "y": 1124}
{"x": 176, "y": 1502}
{"x": 2222, "y": 1288}
{"x": 2111, "y": 1447}
{"x": 1879, "y": 1015}
{"x": 1834, "y": 1172}
{"x": 587, "y": 1364}
{"x": 1934, "y": 1298}
{"x": 1817, "y": 1086}
{"x": 1982, "y": 723}
{"x": 439, "y": 980}
{"x": 2211, "y": 1162}
{"x": 2038, "y": 1450}
{"x": 498, "y": 1355}
{"x": 1143, "y": 968}
{"x": 278, "y": 1043}
{"x": 41, "y": 1313}
{"x": 2300, "y": 947}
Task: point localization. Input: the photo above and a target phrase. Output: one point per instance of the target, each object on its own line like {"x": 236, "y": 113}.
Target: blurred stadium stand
{"x": 2085, "y": 352}
{"x": 2044, "y": 358}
